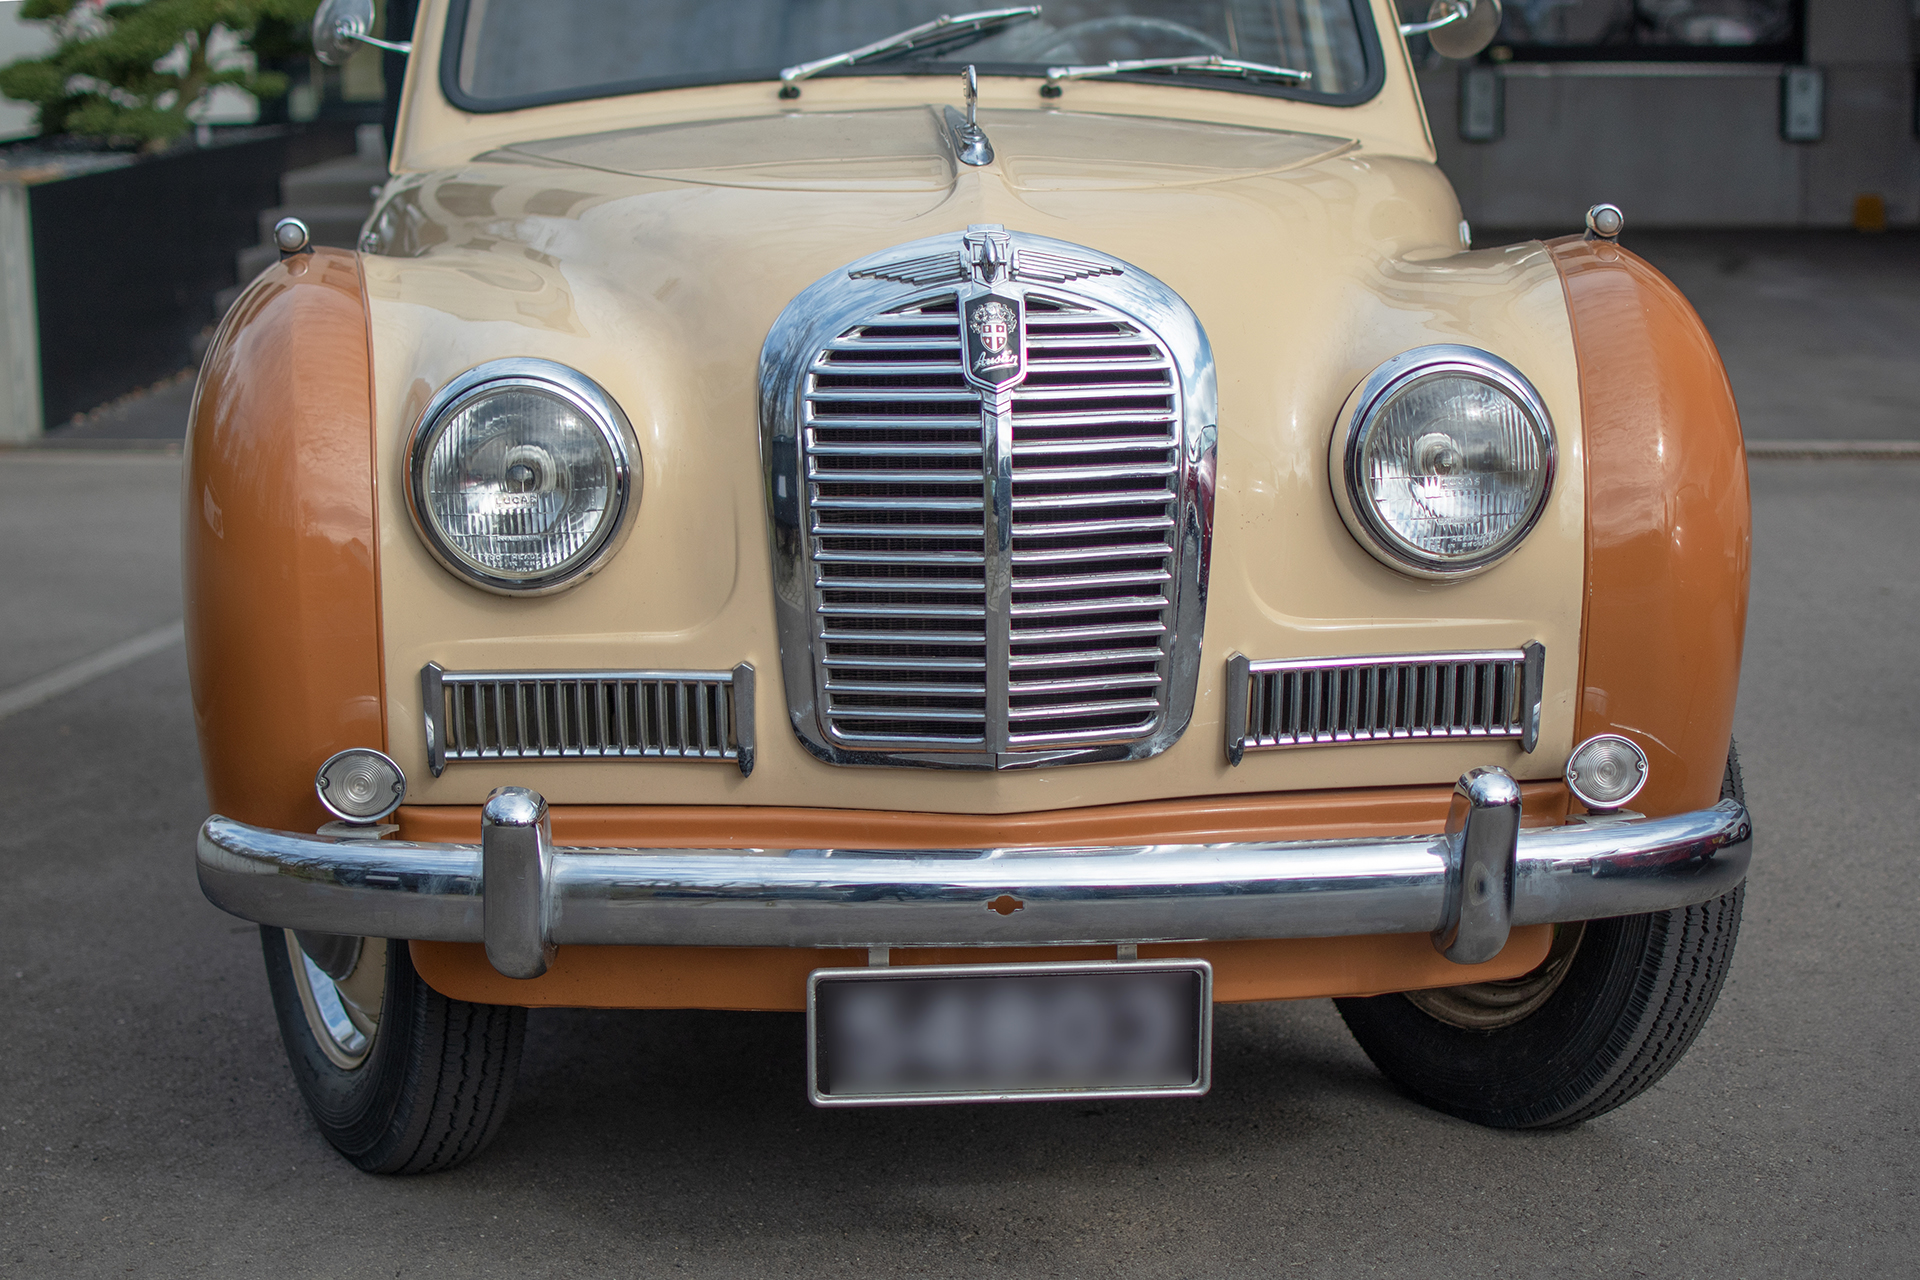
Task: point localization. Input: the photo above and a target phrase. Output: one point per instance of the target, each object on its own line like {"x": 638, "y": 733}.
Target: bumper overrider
{"x": 522, "y": 896}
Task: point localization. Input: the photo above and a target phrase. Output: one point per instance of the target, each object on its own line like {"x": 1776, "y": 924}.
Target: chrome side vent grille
{"x": 588, "y": 715}
{"x": 991, "y": 497}
{"x": 1333, "y": 701}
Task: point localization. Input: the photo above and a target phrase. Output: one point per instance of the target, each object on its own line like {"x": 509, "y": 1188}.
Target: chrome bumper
{"x": 522, "y": 896}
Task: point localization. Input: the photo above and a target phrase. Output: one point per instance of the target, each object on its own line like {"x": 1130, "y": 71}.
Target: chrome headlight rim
{"x": 1381, "y": 386}
{"x": 593, "y": 403}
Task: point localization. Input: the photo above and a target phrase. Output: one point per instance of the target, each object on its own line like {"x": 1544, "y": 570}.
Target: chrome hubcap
{"x": 343, "y": 1012}
{"x": 1489, "y": 1006}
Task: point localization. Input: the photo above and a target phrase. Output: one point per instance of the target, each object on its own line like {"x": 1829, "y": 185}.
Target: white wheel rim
{"x": 342, "y": 1025}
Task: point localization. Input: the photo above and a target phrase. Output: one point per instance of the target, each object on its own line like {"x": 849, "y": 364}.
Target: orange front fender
{"x": 1669, "y": 524}
{"x": 278, "y": 548}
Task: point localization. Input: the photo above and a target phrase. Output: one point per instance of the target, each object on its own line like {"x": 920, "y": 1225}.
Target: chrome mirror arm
{"x": 338, "y": 25}
{"x": 1458, "y": 28}
{"x": 391, "y": 46}
{"x": 1457, "y": 11}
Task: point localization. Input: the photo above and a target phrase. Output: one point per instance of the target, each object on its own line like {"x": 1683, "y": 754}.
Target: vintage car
{"x": 1000, "y": 540}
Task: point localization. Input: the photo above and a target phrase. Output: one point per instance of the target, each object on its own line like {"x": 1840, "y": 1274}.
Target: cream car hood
{"x": 911, "y": 149}
{"x": 655, "y": 260}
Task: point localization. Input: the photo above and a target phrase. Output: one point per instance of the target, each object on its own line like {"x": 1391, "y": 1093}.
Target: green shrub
{"x": 102, "y": 79}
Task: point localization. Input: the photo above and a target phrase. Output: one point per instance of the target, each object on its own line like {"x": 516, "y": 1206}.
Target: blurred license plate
{"x": 1008, "y": 1032}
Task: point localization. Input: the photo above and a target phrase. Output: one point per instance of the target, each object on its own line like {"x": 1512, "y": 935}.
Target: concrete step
{"x": 349, "y": 180}
{"x": 333, "y": 198}
{"x": 330, "y": 224}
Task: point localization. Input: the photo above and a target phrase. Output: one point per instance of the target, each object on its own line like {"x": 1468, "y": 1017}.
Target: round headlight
{"x": 1446, "y": 462}
{"x": 520, "y": 476}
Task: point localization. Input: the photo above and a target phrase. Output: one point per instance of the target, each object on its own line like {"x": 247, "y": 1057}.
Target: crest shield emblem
{"x": 993, "y": 335}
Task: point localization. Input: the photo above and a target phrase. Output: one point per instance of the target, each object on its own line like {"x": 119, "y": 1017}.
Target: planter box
{"x": 126, "y": 261}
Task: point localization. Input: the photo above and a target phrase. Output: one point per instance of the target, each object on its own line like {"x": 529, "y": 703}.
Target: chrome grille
{"x": 1329, "y": 701}
{"x": 895, "y": 468}
{"x": 588, "y": 715}
{"x": 998, "y": 566}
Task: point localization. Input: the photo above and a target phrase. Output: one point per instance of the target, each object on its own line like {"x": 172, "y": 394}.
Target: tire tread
{"x": 435, "y": 1088}
{"x": 1652, "y": 981}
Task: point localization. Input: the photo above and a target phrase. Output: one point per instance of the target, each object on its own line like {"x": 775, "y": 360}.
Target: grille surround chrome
{"x": 1036, "y": 273}
{"x": 1330, "y": 702}
{"x": 568, "y": 715}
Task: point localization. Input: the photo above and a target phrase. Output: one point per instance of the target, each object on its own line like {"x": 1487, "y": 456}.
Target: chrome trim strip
{"x": 1533, "y": 691}
{"x": 433, "y": 710}
{"x": 1012, "y": 264}
{"x": 360, "y": 885}
{"x": 743, "y": 716}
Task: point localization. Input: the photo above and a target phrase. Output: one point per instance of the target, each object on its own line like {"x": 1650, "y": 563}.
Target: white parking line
{"x": 1869, "y": 450}
{"x": 64, "y": 679}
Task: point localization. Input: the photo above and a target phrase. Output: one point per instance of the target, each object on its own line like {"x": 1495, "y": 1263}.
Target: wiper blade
{"x": 1206, "y": 64}
{"x": 942, "y": 33}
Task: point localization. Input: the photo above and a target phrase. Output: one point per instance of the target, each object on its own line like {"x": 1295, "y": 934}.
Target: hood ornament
{"x": 970, "y": 142}
{"x": 989, "y": 251}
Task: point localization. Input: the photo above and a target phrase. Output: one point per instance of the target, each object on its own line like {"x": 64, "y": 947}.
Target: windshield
{"x": 505, "y": 54}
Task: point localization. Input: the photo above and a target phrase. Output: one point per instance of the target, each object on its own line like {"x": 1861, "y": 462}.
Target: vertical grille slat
{"x": 1315, "y": 701}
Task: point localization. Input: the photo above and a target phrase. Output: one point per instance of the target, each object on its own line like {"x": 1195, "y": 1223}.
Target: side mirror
{"x": 338, "y": 25}
{"x": 1455, "y": 28}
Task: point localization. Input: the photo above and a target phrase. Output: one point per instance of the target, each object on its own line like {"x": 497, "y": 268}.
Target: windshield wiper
{"x": 1206, "y": 63}
{"x": 942, "y": 33}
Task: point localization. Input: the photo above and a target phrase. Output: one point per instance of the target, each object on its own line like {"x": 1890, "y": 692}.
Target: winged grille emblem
{"x": 986, "y": 255}
{"x": 1057, "y": 268}
{"x": 934, "y": 268}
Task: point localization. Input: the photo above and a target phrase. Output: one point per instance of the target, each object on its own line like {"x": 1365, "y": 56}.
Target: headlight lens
{"x": 1446, "y": 463}
{"x": 521, "y": 475}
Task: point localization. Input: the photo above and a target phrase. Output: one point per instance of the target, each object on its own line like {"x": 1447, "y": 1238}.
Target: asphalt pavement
{"x": 1820, "y": 330}
{"x": 148, "y": 1123}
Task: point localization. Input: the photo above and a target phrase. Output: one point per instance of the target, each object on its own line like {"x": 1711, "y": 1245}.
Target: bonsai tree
{"x": 134, "y": 71}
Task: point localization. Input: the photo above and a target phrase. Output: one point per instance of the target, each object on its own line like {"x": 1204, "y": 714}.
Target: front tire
{"x": 1615, "y": 1005}
{"x": 398, "y": 1077}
